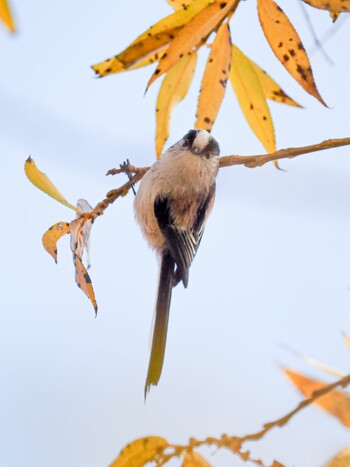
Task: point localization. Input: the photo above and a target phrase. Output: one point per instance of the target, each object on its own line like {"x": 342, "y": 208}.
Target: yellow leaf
{"x": 140, "y": 451}
{"x": 342, "y": 459}
{"x": 337, "y": 403}
{"x": 286, "y": 45}
{"x": 5, "y": 15}
{"x": 251, "y": 98}
{"x": 192, "y": 33}
{"x": 51, "y": 237}
{"x": 194, "y": 459}
{"x": 335, "y": 6}
{"x": 271, "y": 89}
{"x": 173, "y": 89}
{"x": 135, "y": 53}
{"x": 151, "y": 41}
{"x": 41, "y": 181}
{"x": 179, "y": 4}
{"x": 214, "y": 80}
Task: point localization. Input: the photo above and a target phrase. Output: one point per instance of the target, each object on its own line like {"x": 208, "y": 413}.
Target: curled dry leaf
{"x": 51, "y": 237}
{"x": 334, "y": 6}
{"x": 84, "y": 206}
{"x": 336, "y": 403}
{"x": 174, "y": 88}
{"x": 140, "y": 451}
{"x": 6, "y": 16}
{"x": 77, "y": 243}
{"x": 214, "y": 79}
{"x": 286, "y": 45}
{"x": 192, "y": 33}
{"x": 41, "y": 181}
{"x": 194, "y": 459}
{"x": 251, "y": 98}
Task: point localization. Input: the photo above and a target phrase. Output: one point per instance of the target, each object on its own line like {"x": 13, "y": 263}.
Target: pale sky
{"x": 273, "y": 269}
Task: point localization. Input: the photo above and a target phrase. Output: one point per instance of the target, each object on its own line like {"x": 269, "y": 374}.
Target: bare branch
{"x": 289, "y": 153}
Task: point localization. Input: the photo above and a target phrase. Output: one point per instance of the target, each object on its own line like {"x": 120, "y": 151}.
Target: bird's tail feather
{"x": 161, "y": 322}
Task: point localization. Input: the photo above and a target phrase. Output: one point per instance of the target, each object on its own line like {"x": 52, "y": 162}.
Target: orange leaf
{"x": 173, "y": 89}
{"x": 5, "y": 15}
{"x": 342, "y": 459}
{"x": 286, "y": 45}
{"x": 337, "y": 403}
{"x": 51, "y": 237}
{"x": 192, "y": 33}
{"x": 194, "y": 459}
{"x": 251, "y": 98}
{"x": 214, "y": 80}
{"x": 140, "y": 451}
{"x": 41, "y": 181}
{"x": 335, "y": 6}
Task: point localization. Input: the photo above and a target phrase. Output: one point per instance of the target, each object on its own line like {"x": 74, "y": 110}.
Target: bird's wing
{"x": 183, "y": 244}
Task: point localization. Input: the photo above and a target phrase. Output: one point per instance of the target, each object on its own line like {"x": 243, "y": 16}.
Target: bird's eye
{"x": 186, "y": 143}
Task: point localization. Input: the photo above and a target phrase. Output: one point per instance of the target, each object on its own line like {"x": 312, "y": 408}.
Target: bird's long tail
{"x": 165, "y": 286}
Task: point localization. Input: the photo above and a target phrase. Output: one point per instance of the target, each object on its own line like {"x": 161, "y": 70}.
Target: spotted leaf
{"x": 251, "y": 98}
{"x": 140, "y": 451}
{"x": 194, "y": 459}
{"x": 192, "y": 34}
{"x": 41, "y": 181}
{"x": 6, "y": 16}
{"x": 271, "y": 89}
{"x": 335, "y": 6}
{"x": 51, "y": 237}
{"x": 286, "y": 45}
{"x": 336, "y": 403}
{"x": 174, "y": 88}
{"x": 150, "y": 43}
{"x": 214, "y": 80}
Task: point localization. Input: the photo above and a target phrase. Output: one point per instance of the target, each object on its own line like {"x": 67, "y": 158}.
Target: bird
{"x": 172, "y": 204}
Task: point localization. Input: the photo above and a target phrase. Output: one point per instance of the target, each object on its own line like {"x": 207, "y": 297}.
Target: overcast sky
{"x": 273, "y": 269}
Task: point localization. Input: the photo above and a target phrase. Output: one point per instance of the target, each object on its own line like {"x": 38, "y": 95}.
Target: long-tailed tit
{"x": 172, "y": 204}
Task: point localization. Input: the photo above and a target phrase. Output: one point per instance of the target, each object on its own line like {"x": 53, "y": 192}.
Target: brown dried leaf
{"x": 173, "y": 89}
{"x": 192, "y": 33}
{"x": 214, "y": 79}
{"x": 334, "y": 6}
{"x": 336, "y": 403}
{"x": 194, "y": 459}
{"x": 140, "y": 451}
{"x": 286, "y": 45}
{"x": 51, "y": 237}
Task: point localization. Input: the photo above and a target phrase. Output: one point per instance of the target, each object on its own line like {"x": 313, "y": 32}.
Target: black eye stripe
{"x": 212, "y": 147}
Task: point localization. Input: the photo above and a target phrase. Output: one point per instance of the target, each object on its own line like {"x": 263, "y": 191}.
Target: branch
{"x": 225, "y": 161}
{"x": 289, "y": 153}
